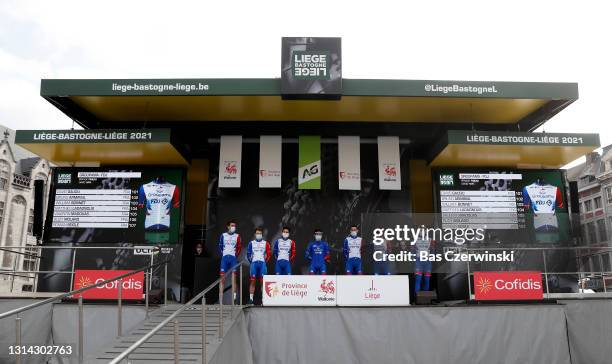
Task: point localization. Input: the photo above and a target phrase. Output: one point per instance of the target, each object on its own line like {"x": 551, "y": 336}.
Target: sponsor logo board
{"x": 131, "y": 287}
{"x": 311, "y": 290}
{"x": 508, "y": 286}
{"x": 373, "y": 290}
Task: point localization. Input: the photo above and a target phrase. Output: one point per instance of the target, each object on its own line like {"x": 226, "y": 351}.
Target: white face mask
{"x": 258, "y": 236}
{"x": 353, "y": 234}
{"x": 285, "y": 235}
{"x": 232, "y": 229}
{"x": 318, "y": 237}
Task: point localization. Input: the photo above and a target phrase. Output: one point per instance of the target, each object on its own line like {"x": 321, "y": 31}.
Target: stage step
{"x": 160, "y": 347}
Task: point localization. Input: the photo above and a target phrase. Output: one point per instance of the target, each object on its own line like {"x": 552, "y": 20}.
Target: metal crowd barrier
{"x": 80, "y": 329}
{"x": 173, "y": 317}
{"x": 14, "y": 272}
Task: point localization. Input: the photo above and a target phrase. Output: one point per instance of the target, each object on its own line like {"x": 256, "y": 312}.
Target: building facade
{"x": 594, "y": 180}
{"x": 18, "y": 171}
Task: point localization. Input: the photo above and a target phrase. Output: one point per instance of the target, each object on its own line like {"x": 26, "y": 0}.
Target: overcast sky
{"x": 455, "y": 40}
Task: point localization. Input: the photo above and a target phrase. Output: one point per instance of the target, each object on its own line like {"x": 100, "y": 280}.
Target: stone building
{"x": 18, "y": 171}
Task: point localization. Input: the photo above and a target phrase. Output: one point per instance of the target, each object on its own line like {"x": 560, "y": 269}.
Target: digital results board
{"x": 532, "y": 203}
{"x": 138, "y": 205}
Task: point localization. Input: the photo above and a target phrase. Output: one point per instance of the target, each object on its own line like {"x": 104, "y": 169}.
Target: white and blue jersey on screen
{"x": 317, "y": 253}
{"x": 351, "y": 248}
{"x": 258, "y": 253}
{"x": 159, "y": 197}
{"x": 543, "y": 199}
{"x": 229, "y": 249}
{"x": 284, "y": 252}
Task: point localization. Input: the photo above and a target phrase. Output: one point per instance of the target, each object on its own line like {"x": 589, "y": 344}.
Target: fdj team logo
{"x": 311, "y": 65}
{"x": 447, "y": 180}
{"x": 271, "y": 289}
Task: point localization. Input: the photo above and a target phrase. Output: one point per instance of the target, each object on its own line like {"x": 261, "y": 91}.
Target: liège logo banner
{"x": 508, "y": 286}
{"x": 131, "y": 286}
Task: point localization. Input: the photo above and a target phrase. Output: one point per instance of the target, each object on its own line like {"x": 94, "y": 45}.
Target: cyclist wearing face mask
{"x": 352, "y": 251}
{"x": 284, "y": 252}
{"x": 317, "y": 253}
{"x": 258, "y": 253}
{"x": 229, "y": 249}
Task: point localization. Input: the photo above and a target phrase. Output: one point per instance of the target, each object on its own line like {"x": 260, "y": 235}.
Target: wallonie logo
{"x": 508, "y": 286}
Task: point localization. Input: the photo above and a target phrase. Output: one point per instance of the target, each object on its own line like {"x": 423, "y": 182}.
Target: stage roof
{"x": 108, "y": 103}
{"x": 461, "y": 148}
{"x": 99, "y": 147}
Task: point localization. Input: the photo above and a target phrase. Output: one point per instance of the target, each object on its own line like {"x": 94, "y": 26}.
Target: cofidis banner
{"x": 270, "y": 161}
{"x": 230, "y": 159}
{"x": 131, "y": 287}
{"x": 389, "y": 173}
{"x": 508, "y": 286}
{"x": 349, "y": 163}
{"x": 309, "y": 171}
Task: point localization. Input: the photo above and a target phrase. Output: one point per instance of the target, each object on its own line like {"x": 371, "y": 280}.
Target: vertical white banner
{"x": 389, "y": 174}
{"x": 349, "y": 163}
{"x": 270, "y": 161}
{"x": 230, "y": 159}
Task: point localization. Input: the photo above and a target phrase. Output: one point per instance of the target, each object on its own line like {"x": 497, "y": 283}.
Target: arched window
{"x": 5, "y": 172}
{"x": 14, "y": 230}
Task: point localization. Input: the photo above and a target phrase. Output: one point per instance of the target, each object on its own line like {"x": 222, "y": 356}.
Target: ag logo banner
{"x": 309, "y": 168}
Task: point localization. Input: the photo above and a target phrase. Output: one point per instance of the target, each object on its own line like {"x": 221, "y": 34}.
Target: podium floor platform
{"x": 538, "y": 333}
